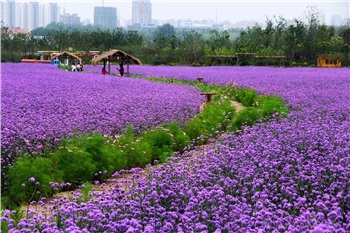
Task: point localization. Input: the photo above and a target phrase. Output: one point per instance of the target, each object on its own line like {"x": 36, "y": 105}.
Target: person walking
{"x": 121, "y": 70}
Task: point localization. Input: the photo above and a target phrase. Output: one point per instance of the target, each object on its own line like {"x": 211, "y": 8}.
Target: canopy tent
{"x": 116, "y": 56}
{"x": 67, "y": 58}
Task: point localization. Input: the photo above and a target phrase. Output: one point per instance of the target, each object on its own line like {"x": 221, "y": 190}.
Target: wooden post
{"x": 208, "y": 95}
{"x": 109, "y": 65}
{"x": 200, "y": 80}
{"x": 127, "y": 69}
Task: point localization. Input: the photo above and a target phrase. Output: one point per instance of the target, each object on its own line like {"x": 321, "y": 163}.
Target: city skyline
{"x": 218, "y": 11}
{"x": 231, "y": 11}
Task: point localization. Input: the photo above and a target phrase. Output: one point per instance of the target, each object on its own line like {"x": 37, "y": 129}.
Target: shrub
{"x": 180, "y": 139}
{"x": 138, "y": 154}
{"x": 246, "y": 96}
{"x": 294, "y": 64}
{"x": 247, "y": 116}
{"x": 21, "y": 189}
{"x": 214, "y": 118}
{"x": 270, "y": 105}
{"x": 77, "y": 165}
{"x": 160, "y": 141}
{"x": 95, "y": 145}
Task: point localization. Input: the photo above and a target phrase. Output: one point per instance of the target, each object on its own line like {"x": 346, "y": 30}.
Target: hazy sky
{"x": 231, "y": 10}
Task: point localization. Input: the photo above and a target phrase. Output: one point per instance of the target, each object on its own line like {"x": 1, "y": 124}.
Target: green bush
{"x": 118, "y": 159}
{"x": 294, "y": 64}
{"x": 21, "y": 189}
{"x": 247, "y": 116}
{"x": 215, "y": 117}
{"x": 160, "y": 141}
{"x": 96, "y": 146}
{"x": 305, "y": 64}
{"x": 138, "y": 154}
{"x": 246, "y": 96}
{"x": 180, "y": 139}
{"x": 77, "y": 165}
{"x": 270, "y": 105}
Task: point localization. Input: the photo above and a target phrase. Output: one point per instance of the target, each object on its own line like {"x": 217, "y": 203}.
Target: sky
{"x": 221, "y": 10}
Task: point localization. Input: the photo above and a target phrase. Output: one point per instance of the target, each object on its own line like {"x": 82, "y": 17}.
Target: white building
{"x": 194, "y": 25}
{"x": 141, "y": 12}
{"x": 27, "y": 15}
{"x": 4, "y": 13}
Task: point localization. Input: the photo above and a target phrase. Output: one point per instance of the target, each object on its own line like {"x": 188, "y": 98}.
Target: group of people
{"x": 77, "y": 67}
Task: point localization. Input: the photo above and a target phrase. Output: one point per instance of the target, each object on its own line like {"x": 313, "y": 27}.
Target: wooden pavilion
{"x": 66, "y": 58}
{"x": 118, "y": 56}
{"x": 328, "y": 61}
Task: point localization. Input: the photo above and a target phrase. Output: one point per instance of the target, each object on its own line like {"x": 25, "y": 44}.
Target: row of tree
{"x": 300, "y": 41}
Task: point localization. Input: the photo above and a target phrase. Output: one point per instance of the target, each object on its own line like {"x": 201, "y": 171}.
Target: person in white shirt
{"x": 78, "y": 67}
{"x": 74, "y": 68}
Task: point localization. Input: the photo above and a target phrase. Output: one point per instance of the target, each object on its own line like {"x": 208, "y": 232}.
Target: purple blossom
{"x": 32, "y": 179}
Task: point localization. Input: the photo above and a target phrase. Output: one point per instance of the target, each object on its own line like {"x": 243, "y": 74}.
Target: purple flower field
{"x": 289, "y": 175}
{"x": 41, "y": 104}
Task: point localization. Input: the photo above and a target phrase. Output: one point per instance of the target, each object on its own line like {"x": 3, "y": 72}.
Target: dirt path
{"x": 237, "y": 105}
{"x": 120, "y": 181}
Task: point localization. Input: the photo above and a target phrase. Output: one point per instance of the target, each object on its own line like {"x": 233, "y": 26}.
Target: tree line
{"x": 300, "y": 41}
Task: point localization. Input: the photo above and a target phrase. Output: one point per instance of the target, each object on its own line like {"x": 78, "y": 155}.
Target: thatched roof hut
{"x": 118, "y": 56}
{"x": 67, "y": 58}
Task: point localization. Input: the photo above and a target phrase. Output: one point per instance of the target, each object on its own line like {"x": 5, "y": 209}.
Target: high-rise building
{"x": 70, "y": 19}
{"x": 27, "y": 15}
{"x": 141, "y": 12}
{"x": 12, "y": 21}
{"x": 105, "y": 17}
{"x": 53, "y": 12}
{"x": 4, "y": 14}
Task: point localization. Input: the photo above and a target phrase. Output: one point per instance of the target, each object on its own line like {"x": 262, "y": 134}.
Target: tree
{"x": 218, "y": 42}
{"x": 295, "y": 39}
{"x": 166, "y": 30}
{"x": 193, "y": 48}
{"x": 312, "y": 16}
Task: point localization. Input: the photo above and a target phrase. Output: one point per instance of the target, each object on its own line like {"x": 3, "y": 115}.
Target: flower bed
{"x": 287, "y": 175}
{"x": 41, "y": 104}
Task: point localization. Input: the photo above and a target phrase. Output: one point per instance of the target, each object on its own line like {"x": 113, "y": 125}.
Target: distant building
{"x": 53, "y": 13}
{"x": 205, "y": 25}
{"x": 4, "y": 14}
{"x": 86, "y": 22}
{"x": 15, "y": 31}
{"x": 27, "y": 15}
{"x": 141, "y": 12}
{"x": 105, "y": 17}
{"x": 70, "y": 19}
{"x": 12, "y": 21}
